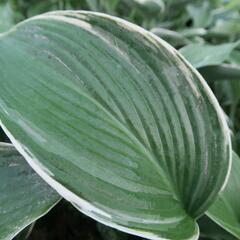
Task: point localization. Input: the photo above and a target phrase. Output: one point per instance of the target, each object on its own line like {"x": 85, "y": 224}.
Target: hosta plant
{"x": 115, "y": 120}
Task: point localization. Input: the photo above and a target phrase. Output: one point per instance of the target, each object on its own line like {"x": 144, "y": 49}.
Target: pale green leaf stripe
{"x": 25, "y": 197}
{"x": 115, "y": 120}
{"x": 226, "y": 210}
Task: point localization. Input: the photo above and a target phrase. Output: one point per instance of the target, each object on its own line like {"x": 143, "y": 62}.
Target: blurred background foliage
{"x": 206, "y": 32}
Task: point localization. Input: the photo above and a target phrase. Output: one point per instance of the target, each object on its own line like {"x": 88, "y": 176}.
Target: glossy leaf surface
{"x": 226, "y": 210}
{"x": 115, "y": 120}
{"x": 24, "y": 195}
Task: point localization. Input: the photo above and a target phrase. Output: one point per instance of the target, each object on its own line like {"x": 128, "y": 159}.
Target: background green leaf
{"x": 222, "y": 72}
{"x": 174, "y": 38}
{"x": 209, "y": 230}
{"x": 200, "y": 14}
{"x": 200, "y": 55}
{"x": 226, "y": 211}
{"x": 6, "y": 16}
{"x": 24, "y": 195}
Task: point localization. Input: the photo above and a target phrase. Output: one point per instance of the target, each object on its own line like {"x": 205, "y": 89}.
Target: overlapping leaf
{"x": 24, "y": 195}
{"x": 115, "y": 120}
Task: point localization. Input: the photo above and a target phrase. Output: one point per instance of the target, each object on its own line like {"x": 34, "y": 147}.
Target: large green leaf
{"x": 115, "y": 120}
{"x": 24, "y": 195}
{"x": 226, "y": 210}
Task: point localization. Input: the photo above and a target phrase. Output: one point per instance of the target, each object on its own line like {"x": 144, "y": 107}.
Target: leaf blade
{"x": 110, "y": 121}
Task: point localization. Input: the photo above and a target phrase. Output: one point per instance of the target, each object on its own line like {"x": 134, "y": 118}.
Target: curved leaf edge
{"x": 136, "y": 231}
